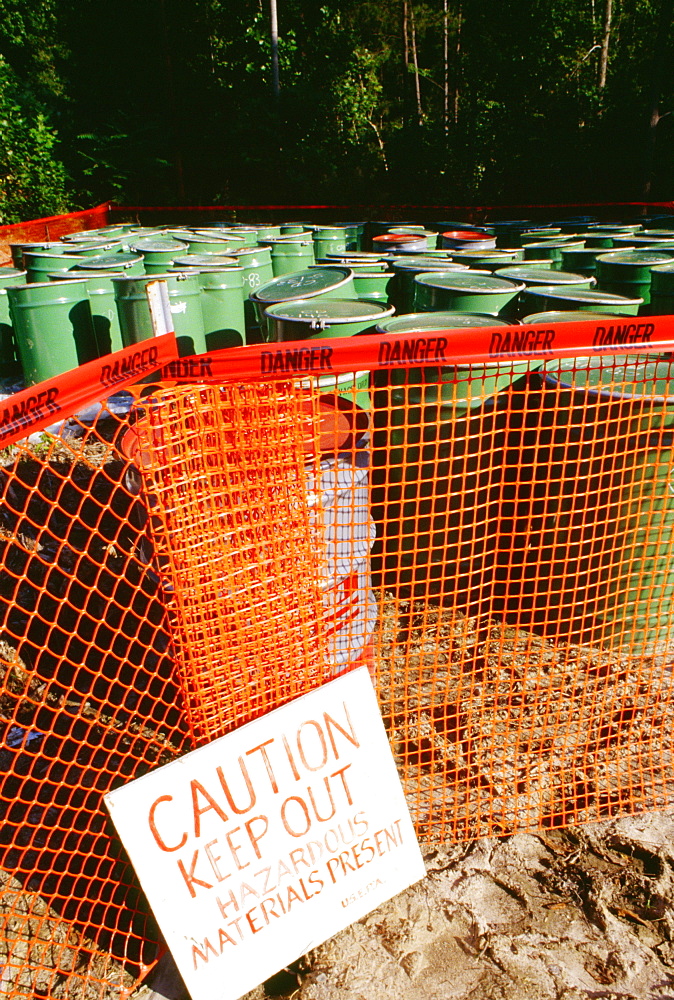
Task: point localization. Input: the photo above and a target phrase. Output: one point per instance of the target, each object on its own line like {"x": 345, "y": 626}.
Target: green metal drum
{"x": 184, "y": 291}
{"x": 531, "y": 276}
{"x": 53, "y": 327}
{"x": 158, "y": 252}
{"x": 101, "y": 292}
{"x": 206, "y": 244}
{"x": 18, "y": 249}
{"x": 130, "y": 264}
{"x": 9, "y": 359}
{"x": 38, "y": 264}
{"x": 222, "y": 306}
{"x": 551, "y": 249}
{"x": 92, "y": 249}
{"x": 628, "y": 272}
{"x": 583, "y": 261}
{"x": 291, "y": 256}
{"x": 329, "y": 239}
{"x": 624, "y": 528}
{"x": 316, "y": 319}
{"x": 435, "y": 481}
{"x": 464, "y": 292}
{"x": 257, "y": 271}
{"x": 662, "y": 289}
{"x": 374, "y": 286}
{"x": 405, "y": 269}
{"x": 546, "y": 297}
{"x": 317, "y": 282}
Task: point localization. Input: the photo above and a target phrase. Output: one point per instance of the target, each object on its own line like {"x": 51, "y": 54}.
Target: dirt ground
{"x": 585, "y": 913}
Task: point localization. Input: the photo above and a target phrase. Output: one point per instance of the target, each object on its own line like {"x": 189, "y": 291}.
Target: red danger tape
{"x": 56, "y": 399}
{"x": 479, "y": 345}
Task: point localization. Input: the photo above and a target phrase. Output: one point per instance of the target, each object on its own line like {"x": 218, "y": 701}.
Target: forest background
{"x": 181, "y": 102}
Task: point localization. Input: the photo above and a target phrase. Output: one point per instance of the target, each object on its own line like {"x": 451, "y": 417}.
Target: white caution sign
{"x": 260, "y": 846}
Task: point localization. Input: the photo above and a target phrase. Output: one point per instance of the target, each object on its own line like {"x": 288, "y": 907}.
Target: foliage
{"x": 418, "y": 101}
{"x": 32, "y": 179}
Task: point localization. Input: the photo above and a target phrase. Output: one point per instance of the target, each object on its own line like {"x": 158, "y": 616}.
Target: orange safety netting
{"x": 51, "y": 228}
{"x": 494, "y": 540}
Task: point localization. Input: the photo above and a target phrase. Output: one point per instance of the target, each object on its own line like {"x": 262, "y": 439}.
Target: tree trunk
{"x": 275, "y": 79}
{"x": 445, "y": 62}
{"x": 457, "y": 68}
{"x": 658, "y": 68}
{"x": 417, "y": 82}
{"x": 606, "y": 35}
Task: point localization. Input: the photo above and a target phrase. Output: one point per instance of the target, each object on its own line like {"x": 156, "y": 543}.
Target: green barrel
{"x": 583, "y": 261}
{"x": 158, "y": 252}
{"x": 101, "y": 292}
{"x": 373, "y": 286}
{"x": 205, "y": 244}
{"x": 628, "y": 272}
{"x": 291, "y": 256}
{"x": 542, "y": 233}
{"x": 405, "y": 269}
{"x": 329, "y": 239}
{"x": 317, "y": 282}
{"x": 435, "y": 493}
{"x": 294, "y": 228}
{"x": 564, "y": 297}
{"x": 662, "y": 289}
{"x": 130, "y": 264}
{"x": 9, "y": 358}
{"x": 564, "y": 316}
{"x": 357, "y": 266}
{"x": 640, "y": 242}
{"x": 257, "y": 271}
{"x": 316, "y": 319}
{"x": 551, "y": 249}
{"x": 598, "y": 241}
{"x": 464, "y": 291}
{"x": 615, "y": 227}
{"x": 53, "y": 327}
{"x": 184, "y": 292}
{"x": 222, "y": 307}
{"x": 91, "y": 249}
{"x": 354, "y": 234}
{"x": 248, "y": 234}
{"x": 211, "y": 261}
{"x": 265, "y": 232}
{"x": 39, "y": 265}
{"x": 533, "y": 274}
{"x": 624, "y": 526}
{"x": 362, "y": 256}
{"x": 18, "y": 249}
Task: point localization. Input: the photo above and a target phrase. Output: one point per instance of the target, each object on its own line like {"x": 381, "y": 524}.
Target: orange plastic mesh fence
{"x": 51, "y": 228}
{"x": 494, "y": 541}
